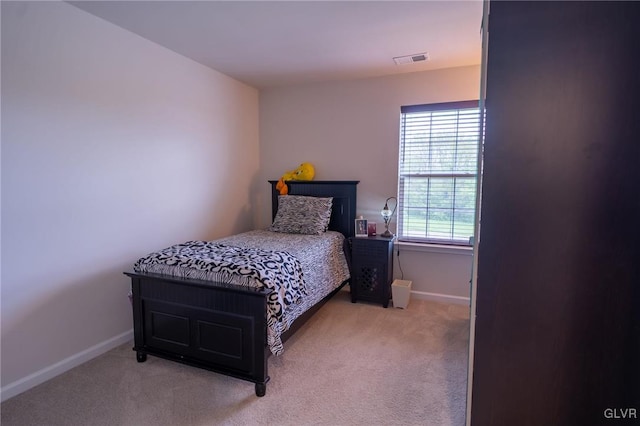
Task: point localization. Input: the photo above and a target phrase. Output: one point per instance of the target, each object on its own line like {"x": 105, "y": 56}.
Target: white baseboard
{"x": 444, "y": 298}
{"x": 47, "y": 373}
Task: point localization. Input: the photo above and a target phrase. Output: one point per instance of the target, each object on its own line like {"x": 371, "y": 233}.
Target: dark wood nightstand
{"x": 371, "y": 269}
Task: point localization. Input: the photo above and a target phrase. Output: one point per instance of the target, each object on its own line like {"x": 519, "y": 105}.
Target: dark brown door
{"x": 558, "y": 281}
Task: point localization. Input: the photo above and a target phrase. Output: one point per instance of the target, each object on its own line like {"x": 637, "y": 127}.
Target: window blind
{"x": 438, "y": 164}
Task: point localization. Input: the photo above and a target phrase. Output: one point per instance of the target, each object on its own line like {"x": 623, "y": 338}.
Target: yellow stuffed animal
{"x": 305, "y": 171}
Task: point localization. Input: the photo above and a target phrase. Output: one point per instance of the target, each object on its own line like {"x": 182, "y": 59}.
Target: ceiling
{"x": 277, "y": 43}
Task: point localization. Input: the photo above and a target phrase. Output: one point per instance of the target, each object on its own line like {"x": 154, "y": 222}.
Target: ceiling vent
{"x": 411, "y": 59}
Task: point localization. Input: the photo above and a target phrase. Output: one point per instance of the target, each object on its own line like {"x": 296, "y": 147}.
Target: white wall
{"x": 349, "y": 130}
{"x": 112, "y": 147}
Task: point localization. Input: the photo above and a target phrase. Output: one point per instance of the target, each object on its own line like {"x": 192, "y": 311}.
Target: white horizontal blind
{"x": 437, "y": 172}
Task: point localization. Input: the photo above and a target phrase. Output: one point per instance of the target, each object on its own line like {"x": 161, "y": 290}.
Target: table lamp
{"x": 386, "y": 216}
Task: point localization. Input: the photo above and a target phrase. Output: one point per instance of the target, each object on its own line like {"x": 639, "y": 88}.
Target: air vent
{"x": 411, "y": 59}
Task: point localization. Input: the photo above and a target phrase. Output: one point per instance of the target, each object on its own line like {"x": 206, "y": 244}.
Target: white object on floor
{"x": 400, "y": 292}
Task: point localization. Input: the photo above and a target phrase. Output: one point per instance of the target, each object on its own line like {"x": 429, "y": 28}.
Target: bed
{"x": 231, "y": 325}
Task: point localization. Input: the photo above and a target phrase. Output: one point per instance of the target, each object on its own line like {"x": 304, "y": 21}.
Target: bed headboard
{"x": 343, "y": 210}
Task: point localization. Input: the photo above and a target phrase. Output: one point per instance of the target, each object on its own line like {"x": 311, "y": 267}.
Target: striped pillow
{"x": 299, "y": 214}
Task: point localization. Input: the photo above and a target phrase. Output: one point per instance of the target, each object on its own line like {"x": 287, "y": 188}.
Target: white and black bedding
{"x": 299, "y": 269}
{"x": 214, "y": 311}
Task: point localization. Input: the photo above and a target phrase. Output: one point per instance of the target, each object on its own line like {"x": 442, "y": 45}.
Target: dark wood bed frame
{"x": 222, "y": 327}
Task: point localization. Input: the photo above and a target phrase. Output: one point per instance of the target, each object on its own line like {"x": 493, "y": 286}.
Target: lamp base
{"x": 386, "y": 234}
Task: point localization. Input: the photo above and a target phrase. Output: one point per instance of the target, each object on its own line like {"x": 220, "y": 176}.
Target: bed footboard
{"x": 215, "y": 326}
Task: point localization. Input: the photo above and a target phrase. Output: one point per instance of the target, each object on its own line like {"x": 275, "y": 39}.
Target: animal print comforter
{"x": 300, "y": 269}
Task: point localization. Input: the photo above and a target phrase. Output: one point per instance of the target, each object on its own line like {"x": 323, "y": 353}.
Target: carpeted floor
{"x": 351, "y": 364}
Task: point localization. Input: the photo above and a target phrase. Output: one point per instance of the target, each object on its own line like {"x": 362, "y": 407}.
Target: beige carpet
{"x": 351, "y": 364}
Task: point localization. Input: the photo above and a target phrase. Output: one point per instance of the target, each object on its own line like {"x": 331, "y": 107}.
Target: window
{"x": 438, "y": 170}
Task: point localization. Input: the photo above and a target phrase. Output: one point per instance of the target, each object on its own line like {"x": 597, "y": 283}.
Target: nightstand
{"x": 371, "y": 269}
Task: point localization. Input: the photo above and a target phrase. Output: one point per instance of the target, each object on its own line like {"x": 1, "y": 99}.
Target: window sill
{"x": 435, "y": 248}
